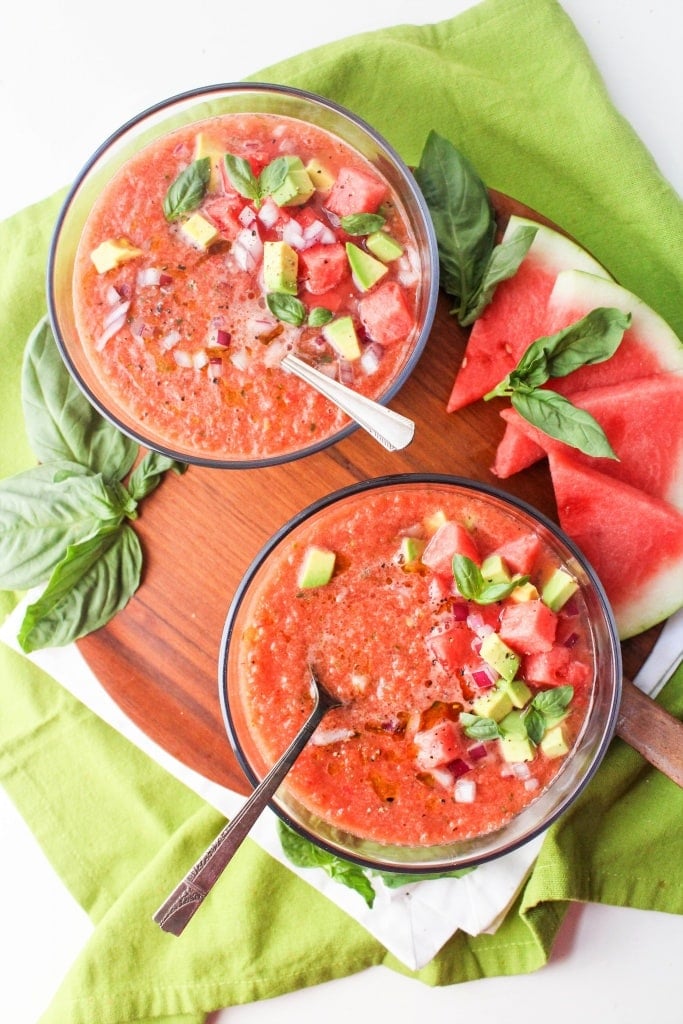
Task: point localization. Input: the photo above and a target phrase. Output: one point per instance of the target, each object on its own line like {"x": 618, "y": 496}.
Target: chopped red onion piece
{"x": 465, "y": 791}
{"x": 346, "y": 372}
{"x": 149, "y": 277}
{"x": 521, "y": 770}
{"x": 182, "y": 358}
{"x": 199, "y": 359}
{"x": 215, "y": 367}
{"x": 165, "y": 280}
{"x": 477, "y": 751}
{"x": 571, "y": 640}
{"x": 117, "y": 312}
{"x": 531, "y": 784}
{"x": 458, "y": 767}
{"x": 269, "y": 212}
{"x": 292, "y": 234}
{"x": 239, "y": 359}
{"x": 460, "y": 611}
{"x": 169, "y": 340}
{"x": 371, "y": 358}
{"x": 246, "y": 216}
{"x": 112, "y": 295}
{"x": 109, "y": 332}
{"x": 484, "y": 677}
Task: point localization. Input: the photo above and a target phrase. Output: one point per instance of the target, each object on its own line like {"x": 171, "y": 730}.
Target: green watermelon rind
{"x": 554, "y": 250}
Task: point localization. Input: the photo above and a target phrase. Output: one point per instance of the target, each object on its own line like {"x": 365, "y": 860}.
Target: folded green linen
{"x": 530, "y": 110}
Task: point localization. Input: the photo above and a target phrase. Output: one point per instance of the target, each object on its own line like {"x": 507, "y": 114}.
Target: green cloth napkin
{"x": 510, "y": 83}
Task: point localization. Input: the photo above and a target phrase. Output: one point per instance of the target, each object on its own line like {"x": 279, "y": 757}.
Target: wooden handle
{"x": 652, "y": 731}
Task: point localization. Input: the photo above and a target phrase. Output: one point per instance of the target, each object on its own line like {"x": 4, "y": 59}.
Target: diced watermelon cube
{"x": 437, "y": 746}
{"x": 223, "y": 213}
{"x": 528, "y": 627}
{"x": 450, "y": 539}
{"x": 556, "y": 667}
{"x": 354, "y": 191}
{"x": 385, "y": 314}
{"x": 323, "y": 267}
{"x": 520, "y": 554}
{"x": 452, "y": 648}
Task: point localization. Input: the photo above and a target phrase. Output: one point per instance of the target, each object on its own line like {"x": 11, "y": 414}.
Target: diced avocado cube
{"x": 524, "y": 592}
{"x": 316, "y": 568}
{"x": 297, "y": 187}
{"x": 517, "y": 690}
{"x": 558, "y": 589}
{"x": 512, "y": 725}
{"x": 411, "y": 550}
{"x": 366, "y": 271}
{"x": 280, "y": 267}
{"x": 499, "y": 656}
{"x": 554, "y": 742}
{"x": 495, "y": 704}
{"x": 515, "y": 749}
{"x": 383, "y": 246}
{"x": 113, "y": 253}
{"x": 199, "y": 231}
{"x": 495, "y": 570}
{"x": 321, "y": 178}
{"x": 204, "y": 146}
{"x": 434, "y": 521}
{"x": 341, "y": 335}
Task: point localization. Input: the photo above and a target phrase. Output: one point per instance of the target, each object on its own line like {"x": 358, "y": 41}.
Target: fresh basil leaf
{"x": 287, "y": 308}
{"x": 503, "y": 264}
{"x": 45, "y": 509}
{"x": 592, "y": 339}
{"x": 353, "y": 877}
{"x": 242, "y": 177}
{"x": 304, "y": 854}
{"x": 472, "y": 584}
{"x": 397, "y": 879}
{"x": 554, "y": 701}
{"x": 558, "y": 418}
{"x": 534, "y": 724}
{"x": 477, "y": 727}
{"x": 319, "y": 316}
{"x": 188, "y": 190}
{"x": 60, "y": 422}
{"x": 94, "y": 580}
{"x": 462, "y": 216}
{"x": 149, "y": 473}
{"x": 362, "y": 223}
{"x": 272, "y": 176}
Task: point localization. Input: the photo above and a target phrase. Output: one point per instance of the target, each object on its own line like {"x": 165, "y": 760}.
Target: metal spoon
{"x": 189, "y": 894}
{"x": 390, "y": 428}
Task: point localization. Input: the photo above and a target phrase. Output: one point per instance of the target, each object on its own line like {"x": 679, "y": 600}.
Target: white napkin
{"x": 412, "y": 922}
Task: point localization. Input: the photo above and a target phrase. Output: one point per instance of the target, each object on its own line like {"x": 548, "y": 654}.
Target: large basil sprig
{"x": 471, "y": 264}
{"x": 592, "y": 339}
{"x": 64, "y": 522}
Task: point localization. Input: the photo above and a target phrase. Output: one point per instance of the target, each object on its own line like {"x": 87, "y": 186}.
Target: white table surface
{"x": 70, "y": 76}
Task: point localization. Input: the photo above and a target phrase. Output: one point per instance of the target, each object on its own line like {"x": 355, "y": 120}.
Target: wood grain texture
{"x": 158, "y": 658}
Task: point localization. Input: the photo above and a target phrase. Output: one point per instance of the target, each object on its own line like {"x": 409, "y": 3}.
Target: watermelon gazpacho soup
{"x": 224, "y": 245}
{"x": 458, "y": 641}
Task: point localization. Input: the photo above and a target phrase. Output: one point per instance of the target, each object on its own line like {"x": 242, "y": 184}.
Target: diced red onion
{"x": 476, "y": 623}
{"x": 169, "y": 340}
{"x": 521, "y": 770}
{"x": 246, "y": 216}
{"x": 477, "y": 751}
{"x": 313, "y": 231}
{"x": 327, "y": 236}
{"x": 269, "y": 212}
{"x": 239, "y": 359}
{"x": 165, "y": 280}
{"x": 183, "y": 358}
{"x": 465, "y": 791}
{"x": 109, "y": 332}
{"x": 199, "y": 359}
{"x": 323, "y": 737}
{"x": 149, "y": 277}
{"x": 371, "y": 358}
{"x": 460, "y": 611}
{"x": 328, "y": 367}
{"x": 458, "y": 767}
{"x": 531, "y": 784}
{"x": 292, "y": 234}
{"x": 346, "y": 372}
{"x": 215, "y": 367}
{"x": 484, "y": 677}
{"x": 116, "y": 313}
{"x": 112, "y": 295}
{"x": 571, "y": 640}
{"x": 249, "y": 241}
{"x": 139, "y": 329}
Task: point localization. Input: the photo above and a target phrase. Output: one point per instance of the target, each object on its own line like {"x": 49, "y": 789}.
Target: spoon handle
{"x": 390, "y": 428}
{"x": 188, "y": 895}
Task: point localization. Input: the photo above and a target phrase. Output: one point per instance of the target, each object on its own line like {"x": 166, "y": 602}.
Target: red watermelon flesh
{"x": 633, "y": 541}
{"x": 642, "y": 420}
{"x": 516, "y": 314}
{"x": 648, "y": 347}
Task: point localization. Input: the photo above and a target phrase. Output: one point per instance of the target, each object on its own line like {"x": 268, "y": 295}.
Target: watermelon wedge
{"x": 516, "y": 315}
{"x": 650, "y": 459}
{"x": 633, "y": 541}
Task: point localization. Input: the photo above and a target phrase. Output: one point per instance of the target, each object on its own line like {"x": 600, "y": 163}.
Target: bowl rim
{"x": 486, "y": 490}
{"x": 201, "y": 93}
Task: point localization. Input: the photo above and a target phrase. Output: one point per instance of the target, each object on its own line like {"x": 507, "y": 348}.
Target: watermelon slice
{"x": 650, "y": 459}
{"x": 633, "y": 541}
{"x": 516, "y": 315}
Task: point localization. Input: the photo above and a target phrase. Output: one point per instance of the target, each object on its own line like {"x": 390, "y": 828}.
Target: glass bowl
{"x": 308, "y": 422}
{"x": 352, "y": 630}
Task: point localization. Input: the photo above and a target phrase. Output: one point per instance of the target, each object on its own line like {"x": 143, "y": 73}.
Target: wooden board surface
{"x": 158, "y": 658}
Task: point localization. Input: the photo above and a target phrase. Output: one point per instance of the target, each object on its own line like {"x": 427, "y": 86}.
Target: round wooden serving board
{"x": 158, "y": 658}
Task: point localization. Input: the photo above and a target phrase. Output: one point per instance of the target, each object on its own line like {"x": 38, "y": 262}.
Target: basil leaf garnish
{"x": 245, "y": 182}
{"x": 287, "y": 308}
{"x": 477, "y": 727}
{"x": 94, "y": 580}
{"x": 362, "y": 223}
{"x": 553, "y": 702}
{"x": 304, "y": 854}
{"x": 592, "y": 339}
{"x": 272, "y": 176}
{"x": 503, "y": 264}
{"x": 188, "y": 190}
{"x": 319, "y": 316}
{"x": 60, "y": 422}
{"x": 473, "y": 585}
{"x": 148, "y": 475}
{"x": 558, "y": 418}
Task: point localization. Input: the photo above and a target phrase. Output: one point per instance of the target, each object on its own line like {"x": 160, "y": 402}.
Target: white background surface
{"x": 70, "y": 74}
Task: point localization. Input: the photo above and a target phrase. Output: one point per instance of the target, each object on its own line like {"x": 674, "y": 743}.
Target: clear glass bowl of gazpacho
{"x": 475, "y": 655}
{"x": 215, "y": 233}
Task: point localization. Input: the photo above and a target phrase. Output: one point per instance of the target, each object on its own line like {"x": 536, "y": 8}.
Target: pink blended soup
{"x": 464, "y": 693}
{"x": 224, "y": 245}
